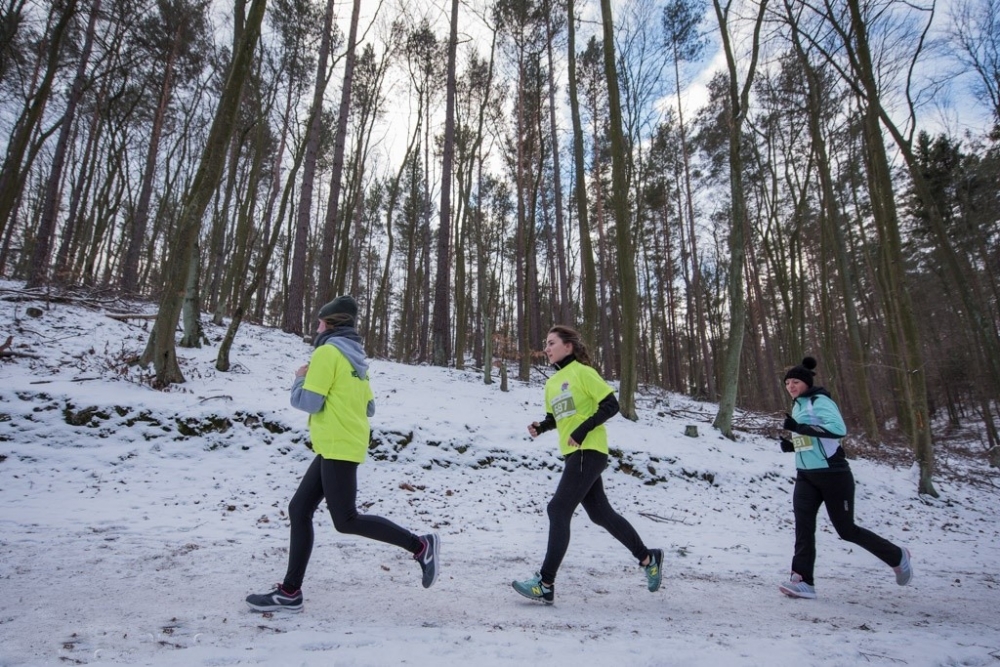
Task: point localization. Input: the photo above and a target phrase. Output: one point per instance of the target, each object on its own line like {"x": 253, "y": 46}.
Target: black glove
{"x": 786, "y": 445}
{"x": 790, "y": 424}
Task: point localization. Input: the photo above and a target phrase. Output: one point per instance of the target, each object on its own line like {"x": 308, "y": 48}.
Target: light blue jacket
{"x": 821, "y": 451}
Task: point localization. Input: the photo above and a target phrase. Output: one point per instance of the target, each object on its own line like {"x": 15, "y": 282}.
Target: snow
{"x": 126, "y": 539}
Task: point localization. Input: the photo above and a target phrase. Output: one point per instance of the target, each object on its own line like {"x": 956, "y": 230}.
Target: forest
{"x": 708, "y": 190}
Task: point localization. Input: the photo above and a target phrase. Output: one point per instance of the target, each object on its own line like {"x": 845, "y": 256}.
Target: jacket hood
{"x": 347, "y": 340}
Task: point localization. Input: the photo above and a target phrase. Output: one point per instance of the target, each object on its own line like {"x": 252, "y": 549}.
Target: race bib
{"x": 563, "y": 405}
{"x": 801, "y": 442}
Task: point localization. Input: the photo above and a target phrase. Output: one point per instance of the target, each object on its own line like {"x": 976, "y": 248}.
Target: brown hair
{"x": 572, "y": 337}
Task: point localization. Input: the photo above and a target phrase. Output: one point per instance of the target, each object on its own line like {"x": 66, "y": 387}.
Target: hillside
{"x": 134, "y": 522}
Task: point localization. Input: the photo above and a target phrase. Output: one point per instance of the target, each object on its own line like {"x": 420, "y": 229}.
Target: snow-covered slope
{"x": 134, "y": 522}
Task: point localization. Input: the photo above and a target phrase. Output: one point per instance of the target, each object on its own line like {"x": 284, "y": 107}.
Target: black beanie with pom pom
{"x": 803, "y": 371}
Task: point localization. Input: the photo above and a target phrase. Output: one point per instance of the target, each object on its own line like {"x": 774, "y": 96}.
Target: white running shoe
{"x": 904, "y": 571}
{"x": 796, "y": 588}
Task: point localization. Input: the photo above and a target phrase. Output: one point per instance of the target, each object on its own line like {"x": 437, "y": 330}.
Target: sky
{"x": 947, "y": 105}
{"x": 134, "y": 522}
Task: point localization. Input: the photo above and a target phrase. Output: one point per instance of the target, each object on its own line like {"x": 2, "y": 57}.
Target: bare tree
{"x": 174, "y": 38}
{"x": 738, "y": 101}
{"x": 330, "y": 283}
{"x": 440, "y": 327}
{"x": 294, "y": 303}
{"x": 46, "y": 225}
{"x": 628, "y": 287}
{"x": 682, "y": 33}
{"x": 588, "y": 287}
{"x": 975, "y": 34}
{"x": 20, "y": 151}
{"x": 161, "y": 349}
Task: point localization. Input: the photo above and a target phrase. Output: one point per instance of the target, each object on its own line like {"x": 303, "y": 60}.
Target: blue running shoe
{"x": 534, "y": 589}
{"x": 654, "y": 570}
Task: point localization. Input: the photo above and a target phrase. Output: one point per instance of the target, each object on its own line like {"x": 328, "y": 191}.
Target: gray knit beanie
{"x": 345, "y": 305}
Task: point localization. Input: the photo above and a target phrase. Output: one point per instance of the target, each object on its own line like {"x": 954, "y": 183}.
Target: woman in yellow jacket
{"x": 578, "y": 402}
{"x": 333, "y": 388}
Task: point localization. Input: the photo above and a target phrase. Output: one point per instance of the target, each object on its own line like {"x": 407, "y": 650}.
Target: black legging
{"x": 337, "y": 483}
{"x": 836, "y": 490}
{"x": 581, "y": 484}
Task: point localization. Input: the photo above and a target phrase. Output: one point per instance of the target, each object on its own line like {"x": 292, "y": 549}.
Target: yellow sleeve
{"x": 595, "y": 385}
{"x": 322, "y": 370}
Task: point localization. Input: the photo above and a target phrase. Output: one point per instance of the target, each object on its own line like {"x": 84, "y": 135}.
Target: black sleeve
{"x": 546, "y": 424}
{"x": 606, "y": 409}
{"x": 816, "y": 431}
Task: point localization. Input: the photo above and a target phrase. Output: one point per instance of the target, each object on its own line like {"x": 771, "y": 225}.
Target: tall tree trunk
{"x": 329, "y": 284}
{"x": 440, "y": 328}
{"x": 703, "y": 367}
{"x": 588, "y": 271}
{"x": 473, "y": 233}
{"x": 738, "y": 103}
{"x": 244, "y": 234}
{"x": 897, "y": 298}
{"x": 293, "y": 316}
{"x": 263, "y": 261}
{"x": 129, "y": 275}
{"x": 259, "y": 302}
{"x": 521, "y": 263}
{"x": 217, "y": 235}
{"x": 831, "y": 211}
{"x": 380, "y": 322}
{"x": 46, "y": 226}
{"x": 627, "y": 288}
{"x": 161, "y": 349}
{"x": 15, "y": 167}
{"x": 565, "y": 308}
{"x": 70, "y": 243}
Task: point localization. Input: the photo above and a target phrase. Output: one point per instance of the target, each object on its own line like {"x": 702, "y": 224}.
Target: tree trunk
{"x": 897, "y": 297}
{"x": 70, "y": 244}
{"x": 831, "y": 211}
{"x": 565, "y": 308}
{"x": 160, "y": 350}
{"x": 43, "y": 237}
{"x": 627, "y": 287}
{"x": 440, "y": 327}
{"x": 14, "y": 169}
{"x": 738, "y": 103}
{"x": 588, "y": 271}
{"x": 191, "y": 315}
{"x": 140, "y": 218}
{"x": 263, "y": 261}
{"x": 217, "y": 236}
{"x": 703, "y": 367}
{"x": 329, "y": 283}
{"x": 521, "y": 264}
{"x": 293, "y": 316}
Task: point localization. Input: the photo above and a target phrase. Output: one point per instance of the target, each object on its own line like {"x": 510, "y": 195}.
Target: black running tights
{"x": 337, "y": 483}
{"x": 835, "y": 489}
{"x": 581, "y": 484}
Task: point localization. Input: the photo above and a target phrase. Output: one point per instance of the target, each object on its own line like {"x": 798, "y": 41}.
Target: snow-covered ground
{"x": 134, "y": 522}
